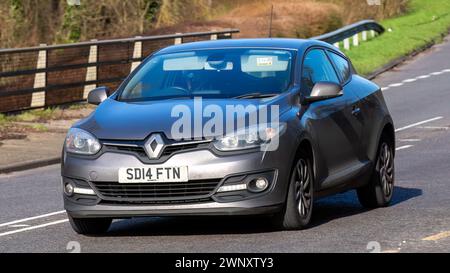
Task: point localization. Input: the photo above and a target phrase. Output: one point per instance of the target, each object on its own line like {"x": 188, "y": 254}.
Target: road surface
{"x": 418, "y": 95}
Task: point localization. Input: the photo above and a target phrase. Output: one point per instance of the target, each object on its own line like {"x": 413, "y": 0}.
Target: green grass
{"x": 39, "y": 127}
{"x": 40, "y": 115}
{"x": 425, "y": 22}
{"x": 78, "y": 106}
{"x": 35, "y": 115}
{"x": 3, "y": 120}
{"x": 29, "y": 116}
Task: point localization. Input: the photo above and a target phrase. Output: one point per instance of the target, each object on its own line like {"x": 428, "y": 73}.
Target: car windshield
{"x": 215, "y": 73}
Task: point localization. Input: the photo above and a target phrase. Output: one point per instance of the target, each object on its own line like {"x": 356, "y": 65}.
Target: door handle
{"x": 356, "y": 110}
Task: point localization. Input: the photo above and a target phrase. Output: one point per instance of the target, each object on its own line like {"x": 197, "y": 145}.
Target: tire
{"x": 90, "y": 225}
{"x": 300, "y": 198}
{"x": 378, "y": 192}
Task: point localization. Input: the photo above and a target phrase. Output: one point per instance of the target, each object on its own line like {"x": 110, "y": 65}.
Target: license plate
{"x": 153, "y": 174}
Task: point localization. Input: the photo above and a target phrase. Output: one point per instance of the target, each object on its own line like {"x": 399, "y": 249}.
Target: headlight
{"x": 81, "y": 142}
{"x": 251, "y": 137}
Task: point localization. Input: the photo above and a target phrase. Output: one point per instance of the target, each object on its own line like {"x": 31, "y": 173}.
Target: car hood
{"x": 117, "y": 120}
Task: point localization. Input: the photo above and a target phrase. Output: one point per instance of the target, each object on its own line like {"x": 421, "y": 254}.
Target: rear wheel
{"x": 299, "y": 203}
{"x": 90, "y": 225}
{"x": 378, "y": 193}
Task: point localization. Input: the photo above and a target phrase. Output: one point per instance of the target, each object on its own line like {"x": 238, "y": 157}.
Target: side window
{"x": 316, "y": 68}
{"x": 342, "y": 66}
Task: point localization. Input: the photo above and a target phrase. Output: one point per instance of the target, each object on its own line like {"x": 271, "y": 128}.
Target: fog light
{"x": 258, "y": 185}
{"x": 261, "y": 183}
{"x": 68, "y": 189}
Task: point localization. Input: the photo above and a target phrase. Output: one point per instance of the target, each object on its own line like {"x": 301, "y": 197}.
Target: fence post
{"x": 364, "y": 35}
{"x": 356, "y": 39}
{"x": 91, "y": 72}
{"x": 346, "y": 44}
{"x": 372, "y": 33}
{"x": 178, "y": 40}
{"x": 213, "y": 36}
{"x": 38, "y": 98}
{"x": 137, "y": 53}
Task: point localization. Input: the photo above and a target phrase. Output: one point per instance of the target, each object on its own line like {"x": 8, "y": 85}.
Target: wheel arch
{"x": 385, "y": 128}
{"x": 389, "y": 133}
{"x": 305, "y": 145}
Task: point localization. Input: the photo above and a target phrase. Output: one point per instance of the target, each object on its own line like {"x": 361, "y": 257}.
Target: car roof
{"x": 280, "y": 43}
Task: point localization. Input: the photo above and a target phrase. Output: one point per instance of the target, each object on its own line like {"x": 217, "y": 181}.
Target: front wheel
{"x": 90, "y": 225}
{"x": 299, "y": 203}
{"x": 378, "y": 193}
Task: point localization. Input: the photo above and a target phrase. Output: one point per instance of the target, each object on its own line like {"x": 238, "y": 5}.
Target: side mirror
{"x": 323, "y": 91}
{"x": 98, "y": 95}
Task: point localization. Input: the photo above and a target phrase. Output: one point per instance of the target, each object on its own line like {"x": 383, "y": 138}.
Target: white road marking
{"x": 409, "y": 80}
{"x": 395, "y": 84}
{"x": 436, "y": 237}
{"x": 19, "y": 225}
{"x": 404, "y": 147}
{"x": 437, "y": 73}
{"x": 434, "y": 127}
{"x": 409, "y": 139}
{"x": 417, "y": 124}
{"x": 33, "y": 227}
{"x": 32, "y": 218}
{"x": 421, "y": 77}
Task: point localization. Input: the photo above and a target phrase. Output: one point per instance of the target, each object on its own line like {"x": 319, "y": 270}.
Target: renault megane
{"x": 155, "y": 146}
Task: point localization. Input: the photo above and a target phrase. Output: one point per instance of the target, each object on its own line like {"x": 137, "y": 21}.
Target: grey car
{"x": 333, "y": 133}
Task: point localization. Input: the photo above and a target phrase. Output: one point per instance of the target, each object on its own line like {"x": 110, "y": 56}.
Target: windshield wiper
{"x": 254, "y": 95}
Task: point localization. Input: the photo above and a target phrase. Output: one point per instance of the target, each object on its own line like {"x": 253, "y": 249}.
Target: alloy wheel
{"x": 303, "y": 189}
{"x": 386, "y": 169}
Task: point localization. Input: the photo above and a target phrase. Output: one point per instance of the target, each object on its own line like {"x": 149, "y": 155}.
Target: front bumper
{"x": 210, "y": 208}
{"x": 202, "y": 164}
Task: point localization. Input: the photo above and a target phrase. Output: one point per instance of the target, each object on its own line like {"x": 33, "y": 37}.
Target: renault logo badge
{"x": 154, "y": 146}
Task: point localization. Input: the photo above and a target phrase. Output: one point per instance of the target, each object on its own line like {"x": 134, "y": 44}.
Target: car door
{"x": 352, "y": 85}
{"x": 330, "y": 123}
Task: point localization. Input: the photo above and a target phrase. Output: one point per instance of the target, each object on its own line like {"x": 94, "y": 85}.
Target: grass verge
{"x": 37, "y": 120}
{"x": 425, "y": 22}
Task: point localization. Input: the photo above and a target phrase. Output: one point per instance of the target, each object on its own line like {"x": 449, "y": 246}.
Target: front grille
{"x": 168, "y": 150}
{"x": 155, "y": 191}
{"x": 138, "y": 150}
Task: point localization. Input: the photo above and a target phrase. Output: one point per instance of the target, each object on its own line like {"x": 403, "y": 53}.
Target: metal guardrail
{"x": 352, "y": 31}
{"x": 43, "y": 76}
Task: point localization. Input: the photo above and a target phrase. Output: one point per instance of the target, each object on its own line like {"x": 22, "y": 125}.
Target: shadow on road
{"x": 347, "y": 204}
{"x": 326, "y": 210}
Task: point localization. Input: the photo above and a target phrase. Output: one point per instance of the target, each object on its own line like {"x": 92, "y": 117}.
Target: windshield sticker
{"x": 264, "y": 61}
